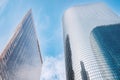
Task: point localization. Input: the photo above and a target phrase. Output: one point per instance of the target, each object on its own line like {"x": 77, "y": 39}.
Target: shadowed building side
{"x": 68, "y": 60}
{"x": 21, "y": 59}
{"x": 84, "y": 73}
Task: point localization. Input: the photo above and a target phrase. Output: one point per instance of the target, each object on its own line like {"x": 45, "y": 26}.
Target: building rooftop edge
{"x": 8, "y": 44}
{"x": 82, "y": 5}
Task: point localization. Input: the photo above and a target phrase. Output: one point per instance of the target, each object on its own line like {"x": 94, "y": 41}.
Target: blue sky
{"x": 48, "y": 20}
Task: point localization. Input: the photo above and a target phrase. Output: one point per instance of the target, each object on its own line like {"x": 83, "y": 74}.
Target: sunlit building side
{"x": 78, "y": 24}
{"x": 21, "y": 59}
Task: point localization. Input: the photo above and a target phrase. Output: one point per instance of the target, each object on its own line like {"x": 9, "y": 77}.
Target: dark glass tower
{"x": 21, "y": 59}
{"x": 105, "y": 42}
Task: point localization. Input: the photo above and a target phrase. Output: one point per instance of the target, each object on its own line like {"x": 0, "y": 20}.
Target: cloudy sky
{"x": 48, "y": 20}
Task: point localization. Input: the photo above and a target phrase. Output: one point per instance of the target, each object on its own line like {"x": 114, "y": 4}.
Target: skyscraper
{"x": 21, "y": 58}
{"x": 106, "y": 47}
{"x": 83, "y": 58}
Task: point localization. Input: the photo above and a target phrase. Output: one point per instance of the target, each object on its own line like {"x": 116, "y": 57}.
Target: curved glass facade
{"x": 107, "y": 53}
{"x": 21, "y": 59}
{"x": 78, "y": 23}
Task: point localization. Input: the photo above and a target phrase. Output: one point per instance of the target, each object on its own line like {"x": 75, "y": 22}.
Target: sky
{"x": 48, "y": 22}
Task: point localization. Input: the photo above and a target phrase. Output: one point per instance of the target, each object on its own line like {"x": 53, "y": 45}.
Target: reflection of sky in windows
{"x": 47, "y": 16}
{"x": 24, "y": 59}
{"x": 78, "y": 22}
{"x": 108, "y": 40}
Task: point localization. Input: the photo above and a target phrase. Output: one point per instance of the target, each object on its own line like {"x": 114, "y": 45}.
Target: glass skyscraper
{"x": 106, "y": 47}
{"x": 91, "y": 53}
{"x": 21, "y": 58}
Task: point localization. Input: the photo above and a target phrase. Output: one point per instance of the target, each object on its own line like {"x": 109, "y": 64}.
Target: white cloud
{"x": 53, "y": 68}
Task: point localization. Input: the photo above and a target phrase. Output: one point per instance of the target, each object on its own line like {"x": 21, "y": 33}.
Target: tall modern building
{"x": 91, "y": 40}
{"x": 106, "y": 47}
{"x": 21, "y": 59}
